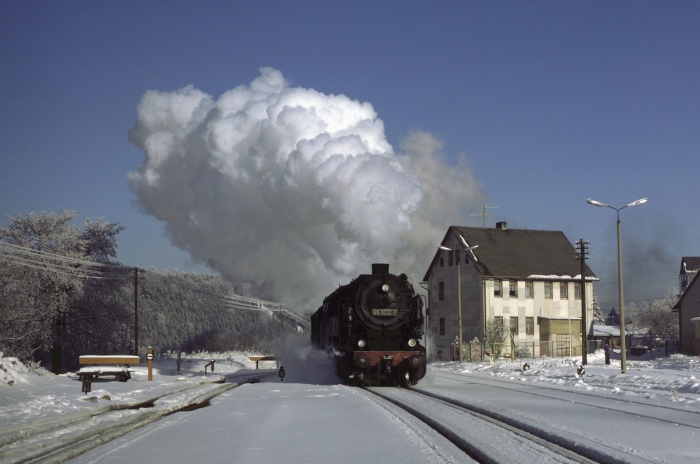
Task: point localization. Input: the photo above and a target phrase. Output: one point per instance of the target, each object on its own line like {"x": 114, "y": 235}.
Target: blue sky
{"x": 551, "y": 103}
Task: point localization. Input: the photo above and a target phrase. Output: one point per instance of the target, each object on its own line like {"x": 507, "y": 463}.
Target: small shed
{"x": 609, "y": 334}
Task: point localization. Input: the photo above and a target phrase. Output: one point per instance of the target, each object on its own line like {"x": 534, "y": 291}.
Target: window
{"x": 564, "y": 291}
{"x": 498, "y": 323}
{"x": 529, "y": 326}
{"x": 442, "y": 261}
{"x": 449, "y": 258}
{"x": 514, "y": 325}
{"x": 577, "y": 290}
{"x": 442, "y": 326}
{"x": 497, "y": 284}
{"x": 528, "y": 290}
{"x": 441, "y": 291}
{"x": 548, "y": 289}
{"x": 513, "y": 288}
{"x": 456, "y": 256}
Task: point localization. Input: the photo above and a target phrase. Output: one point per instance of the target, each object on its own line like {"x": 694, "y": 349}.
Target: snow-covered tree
{"x": 36, "y": 287}
{"x": 495, "y": 336}
{"x": 598, "y": 318}
{"x": 658, "y": 317}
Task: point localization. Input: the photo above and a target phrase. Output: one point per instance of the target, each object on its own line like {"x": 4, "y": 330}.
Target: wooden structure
{"x": 109, "y": 365}
{"x": 257, "y": 359}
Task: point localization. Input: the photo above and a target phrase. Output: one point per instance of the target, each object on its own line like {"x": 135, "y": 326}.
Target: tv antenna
{"x": 485, "y": 212}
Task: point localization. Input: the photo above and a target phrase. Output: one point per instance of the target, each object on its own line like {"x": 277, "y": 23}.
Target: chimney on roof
{"x": 502, "y": 225}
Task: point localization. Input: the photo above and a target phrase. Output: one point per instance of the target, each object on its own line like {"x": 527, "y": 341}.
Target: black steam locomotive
{"x": 373, "y": 326}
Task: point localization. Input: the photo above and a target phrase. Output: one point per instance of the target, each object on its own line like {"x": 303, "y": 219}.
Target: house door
{"x": 562, "y": 342}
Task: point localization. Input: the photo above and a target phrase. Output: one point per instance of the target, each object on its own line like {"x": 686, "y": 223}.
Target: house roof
{"x": 606, "y": 330}
{"x": 687, "y": 291}
{"x": 521, "y": 253}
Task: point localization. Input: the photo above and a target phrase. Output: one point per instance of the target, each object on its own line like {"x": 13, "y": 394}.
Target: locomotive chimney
{"x": 379, "y": 268}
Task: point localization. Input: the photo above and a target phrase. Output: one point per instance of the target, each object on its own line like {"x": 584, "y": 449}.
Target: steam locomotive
{"x": 373, "y": 326}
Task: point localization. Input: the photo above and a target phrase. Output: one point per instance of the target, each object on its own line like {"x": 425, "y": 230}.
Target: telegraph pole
{"x": 582, "y": 250}
{"x": 136, "y": 311}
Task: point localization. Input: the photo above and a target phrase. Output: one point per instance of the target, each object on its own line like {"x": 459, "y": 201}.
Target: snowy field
{"x": 28, "y": 398}
{"x": 675, "y": 378}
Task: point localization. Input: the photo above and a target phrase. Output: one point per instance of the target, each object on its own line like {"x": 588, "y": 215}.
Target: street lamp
{"x": 641, "y": 201}
{"x": 459, "y": 293}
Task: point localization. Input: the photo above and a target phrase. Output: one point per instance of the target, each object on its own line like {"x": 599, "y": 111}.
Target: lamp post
{"x": 623, "y": 341}
{"x": 459, "y": 296}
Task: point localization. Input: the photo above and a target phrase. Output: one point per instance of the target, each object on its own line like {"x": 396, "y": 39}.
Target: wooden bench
{"x": 257, "y": 359}
{"x": 109, "y": 365}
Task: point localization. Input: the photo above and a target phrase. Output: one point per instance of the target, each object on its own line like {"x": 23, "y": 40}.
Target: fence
{"x": 531, "y": 351}
{"x": 686, "y": 347}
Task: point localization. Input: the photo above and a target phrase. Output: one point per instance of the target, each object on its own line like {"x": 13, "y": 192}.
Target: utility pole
{"x": 582, "y": 250}
{"x": 136, "y": 311}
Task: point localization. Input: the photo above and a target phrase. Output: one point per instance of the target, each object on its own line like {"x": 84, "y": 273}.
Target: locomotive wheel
{"x": 402, "y": 378}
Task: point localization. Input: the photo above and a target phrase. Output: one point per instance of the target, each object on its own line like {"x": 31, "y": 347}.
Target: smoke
{"x": 651, "y": 256}
{"x": 292, "y": 190}
{"x": 303, "y": 363}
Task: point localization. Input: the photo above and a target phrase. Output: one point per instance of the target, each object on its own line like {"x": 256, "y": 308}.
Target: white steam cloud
{"x": 292, "y": 190}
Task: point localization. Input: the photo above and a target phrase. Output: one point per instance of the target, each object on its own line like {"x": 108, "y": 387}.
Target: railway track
{"x": 490, "y": 437}
{"x": 642, "y": 408}
{"x": 62, "y": 438}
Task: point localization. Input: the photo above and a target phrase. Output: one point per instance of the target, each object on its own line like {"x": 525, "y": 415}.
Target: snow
{"x": 305, "y": 418}
{"x": 561, "y": 277}
{"x": 605, "y": 330}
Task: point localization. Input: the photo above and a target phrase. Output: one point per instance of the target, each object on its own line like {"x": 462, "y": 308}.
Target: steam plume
{"x": 290, "y": 189}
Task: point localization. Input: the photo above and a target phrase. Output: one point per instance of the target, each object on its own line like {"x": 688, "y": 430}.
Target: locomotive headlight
{"x": 361, "y": 343}
{"x": 412, "y": 343}
{"x": 385, "y": 288}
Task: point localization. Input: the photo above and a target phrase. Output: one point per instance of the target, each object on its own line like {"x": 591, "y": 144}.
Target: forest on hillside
{"x": 62, "y": 296}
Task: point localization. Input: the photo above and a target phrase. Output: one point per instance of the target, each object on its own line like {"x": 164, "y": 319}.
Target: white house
{"x": 527, "y": 281}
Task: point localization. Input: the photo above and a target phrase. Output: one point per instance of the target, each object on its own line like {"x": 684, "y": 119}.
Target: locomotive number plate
{"x": 385, "y": 312}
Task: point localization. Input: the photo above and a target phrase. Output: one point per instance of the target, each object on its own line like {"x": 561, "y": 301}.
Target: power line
{"x": 64, "y": 265}
{"x": 22, "y": 250}
{"x": 613, "y": 252}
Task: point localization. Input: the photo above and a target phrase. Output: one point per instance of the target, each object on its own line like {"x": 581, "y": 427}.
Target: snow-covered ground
{"x": 27, "y": 398}
{"x": 650, "y": 414}
{"x": 675, "y": 378}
